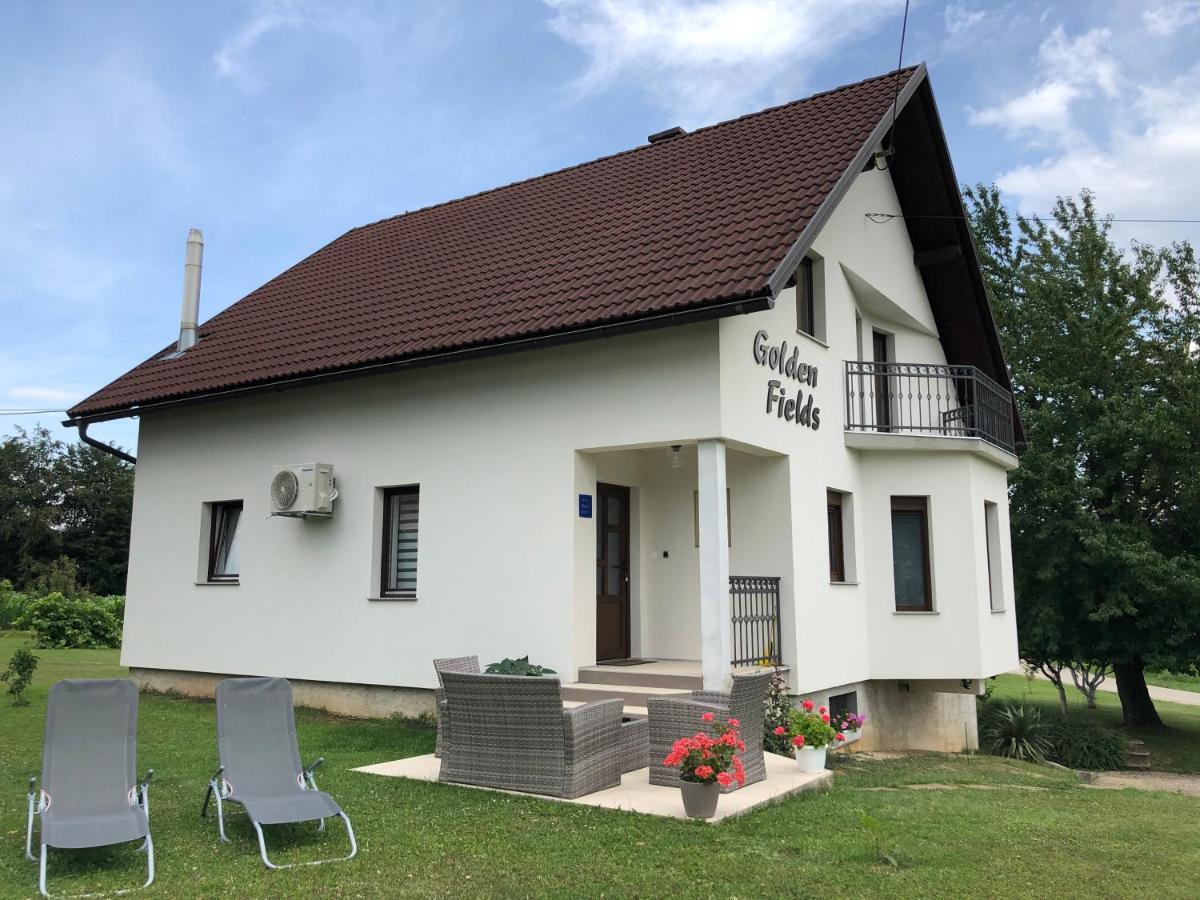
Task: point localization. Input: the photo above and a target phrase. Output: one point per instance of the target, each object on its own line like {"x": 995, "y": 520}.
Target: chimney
{"x": 193, "y": 260}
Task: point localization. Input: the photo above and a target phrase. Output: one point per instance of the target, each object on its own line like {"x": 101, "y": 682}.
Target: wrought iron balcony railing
{"x": 923, "y": 398}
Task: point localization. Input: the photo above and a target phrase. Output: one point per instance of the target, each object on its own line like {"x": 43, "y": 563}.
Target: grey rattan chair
{"x": 511, "y": 732}
{"x": 260, "y": 764}
{"x": 678, "y": 715}
{"x": 90, "y": 795}
{"x": 448, "y": 664}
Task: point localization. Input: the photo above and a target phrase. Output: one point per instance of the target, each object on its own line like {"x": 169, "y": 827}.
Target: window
{"x": 840, "y": 704}
{"x": 806, "y": 298}
{"x": 991, "y": 527}
{"x": 401, "y": 511}
{"x": 224, "y": 554}
{"x": 910, "y": 554}
{"x": 837, "y": 536}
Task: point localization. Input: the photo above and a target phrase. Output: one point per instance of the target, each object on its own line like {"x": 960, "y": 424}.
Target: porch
{"x": 687, "y": 564}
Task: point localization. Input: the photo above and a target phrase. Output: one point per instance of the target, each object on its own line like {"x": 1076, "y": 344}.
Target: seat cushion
{"x": 299, "y": 806}
{"x": 72, "y": 832}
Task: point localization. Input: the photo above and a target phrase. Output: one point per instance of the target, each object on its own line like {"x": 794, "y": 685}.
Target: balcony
{"x": 928, "y": 399}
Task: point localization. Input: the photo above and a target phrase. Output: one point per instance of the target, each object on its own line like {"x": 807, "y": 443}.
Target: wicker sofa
{"x": 448, "y": 664}
{"x": 511, "y": 732}
{"x": 679, "y": 715}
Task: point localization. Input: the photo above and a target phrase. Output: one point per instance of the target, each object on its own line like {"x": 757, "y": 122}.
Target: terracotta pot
{"x": 700, "y": 800}
{"x": 811, "y": 759}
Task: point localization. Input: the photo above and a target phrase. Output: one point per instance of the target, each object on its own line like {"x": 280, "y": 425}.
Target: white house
{"x": 730, "y": 398}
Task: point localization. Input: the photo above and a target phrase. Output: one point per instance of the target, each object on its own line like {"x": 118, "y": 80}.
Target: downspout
{"x": 99, "y": 445}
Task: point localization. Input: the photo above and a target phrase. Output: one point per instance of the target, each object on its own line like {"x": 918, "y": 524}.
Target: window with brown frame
{"x": 806, "y": 299}
{"x": 401, "y": 516}
{"x": 224, "y": 553}
{"x": 837, "y": 536}
{"x": 910, "y": 554}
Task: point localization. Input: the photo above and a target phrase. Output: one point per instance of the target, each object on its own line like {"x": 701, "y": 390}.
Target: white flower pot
{"x": 811, "y": 759}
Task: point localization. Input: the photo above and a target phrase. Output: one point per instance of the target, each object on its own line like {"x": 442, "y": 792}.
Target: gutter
{"x": 748, "y": 304}
{"x": 82, "y": 425}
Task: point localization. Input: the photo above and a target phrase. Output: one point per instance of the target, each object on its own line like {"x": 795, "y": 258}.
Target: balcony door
{"x": 883, "y": 400}
{"x": 612, "y": 572}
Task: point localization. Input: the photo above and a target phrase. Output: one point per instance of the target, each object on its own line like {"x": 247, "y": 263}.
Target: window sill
{"x": 844, "y": 583}
{"x": 217, "y": 583}
{"x": 812, "y": 337}
{"x": 916, "y": 612}
{"x": 392, "y": 599}
{"x": 997, "y": 612}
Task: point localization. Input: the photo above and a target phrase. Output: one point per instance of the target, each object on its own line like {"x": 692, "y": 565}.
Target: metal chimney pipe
{"x": 193, "y": 260}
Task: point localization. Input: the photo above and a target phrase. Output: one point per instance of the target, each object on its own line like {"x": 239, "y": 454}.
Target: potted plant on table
{"x": 811, "y": 734}
{"x": 707, "y": 763}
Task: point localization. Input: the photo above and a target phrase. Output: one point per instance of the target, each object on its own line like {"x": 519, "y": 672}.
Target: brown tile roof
{"x": 665, "y": 227}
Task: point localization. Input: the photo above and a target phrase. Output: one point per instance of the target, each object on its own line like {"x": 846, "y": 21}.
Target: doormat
{"x": 625, "y": 662}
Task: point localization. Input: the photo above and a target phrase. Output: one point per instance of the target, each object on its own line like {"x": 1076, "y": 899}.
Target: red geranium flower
{"x": 780, "y": 731}
{"x": 724, "y": 779}
{"x": 822, "y": 710}
{"x": 734, "y": 723}
{"x": 704, "y": 771}
{"x": 840, "y": 736}
{"x": 798, "y": 740}
{"x": 707, "y": 717}
{"x": 825, "y": 718}
{"x": 808, "y": 705}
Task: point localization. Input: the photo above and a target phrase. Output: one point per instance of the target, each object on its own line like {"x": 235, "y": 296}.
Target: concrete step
{"x": 1135, "y": 745}
{"x": 633, "y": 695}
{"x": 638, "y": 676}
{"x": 1137, "y": 759}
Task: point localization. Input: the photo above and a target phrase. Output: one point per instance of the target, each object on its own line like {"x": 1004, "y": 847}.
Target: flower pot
{"x": 700, "y": 800}
{"x": 811, "y": 759}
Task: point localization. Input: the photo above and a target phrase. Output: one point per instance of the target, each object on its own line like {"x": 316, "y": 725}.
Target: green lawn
{"x": 1180, "y": 681}
{"x": 1173, "y": 749}
{"x": 960, "y": 827}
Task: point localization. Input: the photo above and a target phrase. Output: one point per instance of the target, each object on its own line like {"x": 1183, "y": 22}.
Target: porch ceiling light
{"x": 675, "y": 456}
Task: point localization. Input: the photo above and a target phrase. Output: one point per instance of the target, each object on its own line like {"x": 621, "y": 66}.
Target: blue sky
{"x": 277, "y": 125}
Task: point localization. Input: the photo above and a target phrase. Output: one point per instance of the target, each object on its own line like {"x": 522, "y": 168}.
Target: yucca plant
{"x": 1018, "y": 732}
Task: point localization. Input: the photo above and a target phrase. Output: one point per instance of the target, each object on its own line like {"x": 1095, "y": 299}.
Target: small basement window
{"x": 224, "y": 547}
{"x": 840, "y": 704}
{"x": 401, "y": 518}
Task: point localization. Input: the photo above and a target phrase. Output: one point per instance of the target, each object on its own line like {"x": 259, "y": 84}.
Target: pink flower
{"x": 780, "y": 731}
{"x": 704, "y": 771}
{"x": 734, "y": 723}
{"x": 739, "y": 771}
{"x": 840, "y": 736}
{"x": 822, "y": 710}
{"x": 808, "y": 705}
{"x": 724, "y": 779}
{"x": 825, "y": 718}
{"x": 798, "y": 740}
{"x": 707, "y": 717}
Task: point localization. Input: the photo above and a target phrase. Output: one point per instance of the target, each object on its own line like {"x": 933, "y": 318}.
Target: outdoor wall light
{"x": 675, "y": 456}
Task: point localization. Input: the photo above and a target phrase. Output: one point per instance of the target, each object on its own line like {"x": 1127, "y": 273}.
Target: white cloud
{"x": 1166, "y": 20}
{"x": 706, "y": 60}
{"x": 1071, "y": 69}
{"x": 43, "y": 395}
{"x": 961, "y": 21}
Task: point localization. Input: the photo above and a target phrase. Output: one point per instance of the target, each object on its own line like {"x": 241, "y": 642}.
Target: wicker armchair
{"x": 448, "y": 664}
{"x": 678, "y": 715}
{"x": 511, "y": 732}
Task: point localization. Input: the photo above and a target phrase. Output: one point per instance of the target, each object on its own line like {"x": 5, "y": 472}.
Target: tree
{"x": 1105, "y": 506}
{"x": 64, "y": 515}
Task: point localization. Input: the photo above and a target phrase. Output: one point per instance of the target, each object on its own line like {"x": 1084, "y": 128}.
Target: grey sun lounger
{"x": 260, "y": 764}
{"x": 90, "y": 795}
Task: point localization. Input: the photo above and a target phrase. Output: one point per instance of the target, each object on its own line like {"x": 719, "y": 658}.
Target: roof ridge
{"x": 631, "y": 150}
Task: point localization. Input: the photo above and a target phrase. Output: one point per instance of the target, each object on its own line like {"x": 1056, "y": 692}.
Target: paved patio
{"x": 637, "y": 794}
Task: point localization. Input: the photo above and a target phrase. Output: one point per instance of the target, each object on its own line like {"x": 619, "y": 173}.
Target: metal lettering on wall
{"x": 788, "y": 401}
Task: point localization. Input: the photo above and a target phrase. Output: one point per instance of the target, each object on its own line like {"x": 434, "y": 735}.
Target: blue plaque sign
{"x": 585, "y": 506}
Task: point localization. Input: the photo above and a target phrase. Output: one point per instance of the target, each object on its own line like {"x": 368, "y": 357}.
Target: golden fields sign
{"x": 797, "y": 408}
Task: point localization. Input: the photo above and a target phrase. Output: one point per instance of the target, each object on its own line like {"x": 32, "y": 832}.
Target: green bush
{"x": 777, "y": 713}
{"x": 12, "y": 605}
{"x": 58, "y": 622}
{"x": 19, "y": 675}
{"x": 520, "y": 666}
{"x": 1079, "y": 744}
{"x": 1014, "y": 730}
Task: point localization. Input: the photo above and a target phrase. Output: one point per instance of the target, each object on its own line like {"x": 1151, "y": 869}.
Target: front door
{"x": 883, "y": 398}
{"x": 612, "y": 572}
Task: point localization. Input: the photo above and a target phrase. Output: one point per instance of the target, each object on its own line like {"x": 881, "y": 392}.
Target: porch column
{"x": 715, "y": 626}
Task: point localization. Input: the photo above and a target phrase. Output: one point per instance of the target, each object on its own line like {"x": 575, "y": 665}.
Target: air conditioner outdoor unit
{"x": 303, "y": 490}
